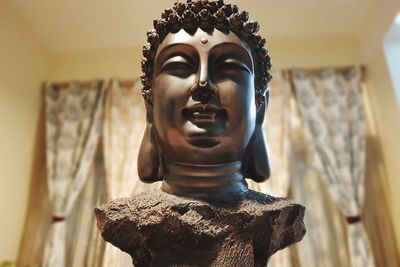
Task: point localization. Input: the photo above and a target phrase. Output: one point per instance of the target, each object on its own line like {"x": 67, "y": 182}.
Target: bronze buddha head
{"x": 205, "y": 76}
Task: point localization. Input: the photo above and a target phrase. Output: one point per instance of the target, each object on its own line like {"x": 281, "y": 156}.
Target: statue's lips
{"x": 203, "y": 115}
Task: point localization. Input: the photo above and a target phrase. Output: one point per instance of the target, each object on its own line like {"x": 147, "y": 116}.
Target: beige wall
{"x": 315, "y": 51}
{"x": 386, "y": 117}
{"x": 97, "y": 63}
{"x": 23, "y": 65}
{"x": 384, "y": 108}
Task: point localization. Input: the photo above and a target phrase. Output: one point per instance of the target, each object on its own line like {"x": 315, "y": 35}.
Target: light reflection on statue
{"x": 205, "y": 88}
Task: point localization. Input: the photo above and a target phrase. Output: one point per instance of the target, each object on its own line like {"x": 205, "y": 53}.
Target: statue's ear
{"x": 261, "y": 105}
{"x": 255, "y": 163}
{"x": 149, "y": 158}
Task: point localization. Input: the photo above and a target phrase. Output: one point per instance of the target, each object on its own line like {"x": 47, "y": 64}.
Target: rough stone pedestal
{"x": 159, "y": 229}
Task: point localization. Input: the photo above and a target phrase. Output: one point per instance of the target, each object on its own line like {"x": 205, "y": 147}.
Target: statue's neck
{"x": 191, "y": 179}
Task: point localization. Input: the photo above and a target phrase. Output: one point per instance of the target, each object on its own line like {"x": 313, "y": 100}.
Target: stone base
{"x": 159, "y": 229}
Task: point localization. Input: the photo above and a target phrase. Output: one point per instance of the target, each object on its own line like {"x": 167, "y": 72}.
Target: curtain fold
{"x": 38, "y": 217}
{"x": 281, "y": 113}
{"x": 73, "y": 127}
{"x": 124, "y": 124}
{"x": 324, "y": 245}
{"x": 85, "y": 247}
{"x": 332, "y": 108}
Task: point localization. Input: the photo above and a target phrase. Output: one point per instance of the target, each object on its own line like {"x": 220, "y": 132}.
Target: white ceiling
{"x": 65, "y": 25}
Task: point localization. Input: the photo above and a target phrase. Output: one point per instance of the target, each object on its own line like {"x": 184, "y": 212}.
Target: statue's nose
{"x": 203, "y": 90}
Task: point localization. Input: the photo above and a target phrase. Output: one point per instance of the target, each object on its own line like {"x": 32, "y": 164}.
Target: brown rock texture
{"x": 159, "y": 229}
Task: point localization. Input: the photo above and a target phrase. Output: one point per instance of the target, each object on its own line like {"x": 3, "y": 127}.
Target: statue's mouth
{"x": 204, "y": 115}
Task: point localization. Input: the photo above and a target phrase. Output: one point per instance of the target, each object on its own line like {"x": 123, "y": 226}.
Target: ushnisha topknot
{"x": 207, "y": 15}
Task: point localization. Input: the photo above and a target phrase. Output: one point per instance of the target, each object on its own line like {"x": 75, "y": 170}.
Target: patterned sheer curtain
{"x": 123, "y": 130}
{"x": 73, "y": 127}
{"x": 332, "y": 108}
{"x": 281, "y": 115}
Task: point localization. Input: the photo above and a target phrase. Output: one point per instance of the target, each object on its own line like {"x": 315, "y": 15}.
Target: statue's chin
{"x": 203, "y": 141}
{"x": 202, "y": 137}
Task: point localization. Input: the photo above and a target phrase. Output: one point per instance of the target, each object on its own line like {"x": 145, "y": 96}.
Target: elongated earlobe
{"x": 255, "y": 163}
{"x": 148, "y": 158}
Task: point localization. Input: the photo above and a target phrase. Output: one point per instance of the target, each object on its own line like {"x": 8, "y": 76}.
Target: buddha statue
{"x": 205, "y": 77}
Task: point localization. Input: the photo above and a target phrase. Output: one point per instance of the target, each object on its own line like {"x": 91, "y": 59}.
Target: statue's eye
{"x": 178, "y": 66}
{"x": 231, "y": 64}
